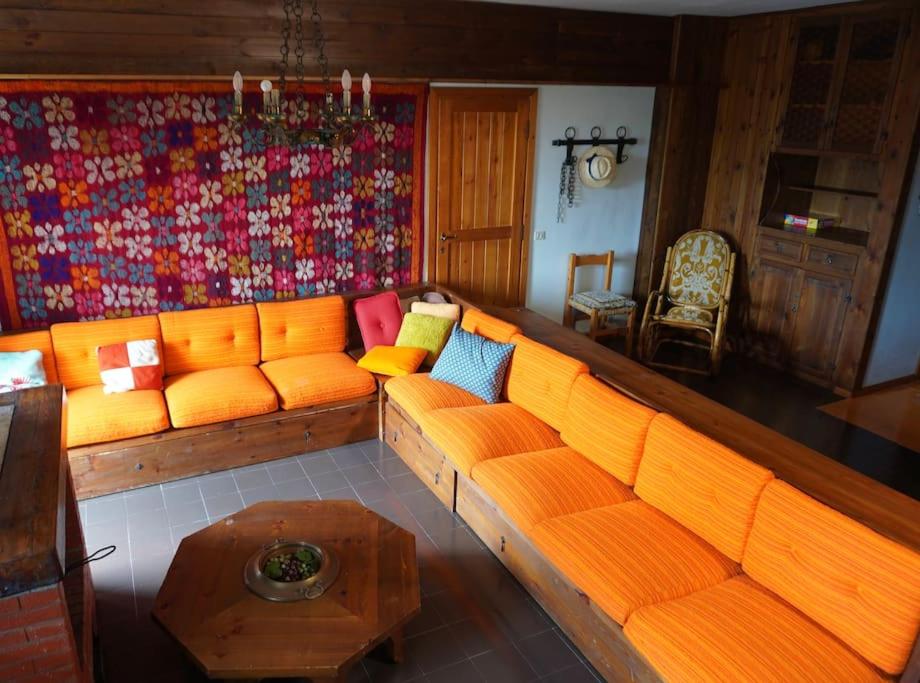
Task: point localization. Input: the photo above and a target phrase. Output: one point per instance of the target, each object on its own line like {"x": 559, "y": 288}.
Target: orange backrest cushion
{"x": 485, "y": 325}
{"x": 606, "y": 427}
{"x": 40, "y": 340}
{"x": 298, "y": 328}
{"x": 75, "y": 345}
{"x": 708, "y": 488}
{"x": 540, "y": 380}
{"x": 209, "y": 338}
{"x": 860, "y": 586}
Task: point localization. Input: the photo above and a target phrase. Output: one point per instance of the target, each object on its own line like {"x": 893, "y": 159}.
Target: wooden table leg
{"x": 381, "y": 398}
{"x": 395, "y": 647}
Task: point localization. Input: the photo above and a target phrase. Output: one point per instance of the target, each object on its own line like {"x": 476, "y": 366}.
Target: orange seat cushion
{"x": 95, "y": 417}
{"x": 209, "y": 338}
{"x": 606, "y": 427}
{"x": 297, "y": 328}
{"x": 533, "y": 487}
{"x": 540, "y": 380}
{"x": 740, "y": 631}
{"x": 39, "y": 340}
{"x": 318, "y": 378}
{"x": 75, "y": 345}
{"x": 860, "y": 586}
{"x": 705, "y": 486}
{"x": 208, "y": 396}
{"x": 470, "y": 435}
{"x": 485, "y": 325}
{"x": 629, "y": 555}
{"x": 417, "y": 394}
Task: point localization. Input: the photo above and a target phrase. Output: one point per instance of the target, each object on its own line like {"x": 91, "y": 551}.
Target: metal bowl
{"x": 289, "y": 591}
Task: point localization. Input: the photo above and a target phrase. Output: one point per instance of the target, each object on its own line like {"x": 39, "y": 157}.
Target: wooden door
{"x": 773, "y": 289}
{"x": 819, "y": 313}
{"x": 479, "y": 191}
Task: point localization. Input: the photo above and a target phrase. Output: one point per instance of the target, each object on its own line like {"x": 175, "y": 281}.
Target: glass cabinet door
{"x": 868, "y": 79}
{"x": 808, "y": 106}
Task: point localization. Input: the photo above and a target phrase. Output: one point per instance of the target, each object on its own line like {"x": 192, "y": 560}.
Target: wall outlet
{"x": 539, "y": 235}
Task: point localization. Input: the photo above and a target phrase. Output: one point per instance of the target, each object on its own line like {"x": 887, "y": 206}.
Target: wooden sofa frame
{"x": 599, "y": 638}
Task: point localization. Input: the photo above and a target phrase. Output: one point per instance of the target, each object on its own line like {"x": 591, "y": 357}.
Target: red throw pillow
{"x": 379, "y": 319}
{"x": 130, "y": 365}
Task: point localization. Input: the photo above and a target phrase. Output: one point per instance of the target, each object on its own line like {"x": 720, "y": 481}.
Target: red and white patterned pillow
{"x": 130, "y": 365}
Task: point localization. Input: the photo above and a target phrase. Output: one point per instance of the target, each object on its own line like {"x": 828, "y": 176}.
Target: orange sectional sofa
{"x": 663, "y": 554}
{"x": 222, "y": 366}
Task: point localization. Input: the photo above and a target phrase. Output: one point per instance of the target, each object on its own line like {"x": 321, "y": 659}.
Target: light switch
{"x": 539, "y": 235}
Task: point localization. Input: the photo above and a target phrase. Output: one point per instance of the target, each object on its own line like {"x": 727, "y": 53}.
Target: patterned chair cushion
{"x": 474, "y": 363}
{"x": 699, "y": 265}
{"x": 600, "y": 300}
{"x": 689, "y": 314}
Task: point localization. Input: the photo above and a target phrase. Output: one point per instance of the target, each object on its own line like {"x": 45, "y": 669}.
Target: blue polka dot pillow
{"x": 474, "y": 363}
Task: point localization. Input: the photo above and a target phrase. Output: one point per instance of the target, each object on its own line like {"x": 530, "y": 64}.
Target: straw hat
{"x": 597, "y": 166}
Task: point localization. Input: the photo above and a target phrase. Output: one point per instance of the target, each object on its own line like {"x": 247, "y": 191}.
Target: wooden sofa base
{"x": 600, "y": 639}
{"x": 178, "y": 453}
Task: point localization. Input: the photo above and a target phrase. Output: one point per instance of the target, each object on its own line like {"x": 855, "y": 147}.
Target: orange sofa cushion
{"x": 417, "y": 394}
{"x": 862, "y": 587}
{"x": 210, "y": 338}
{"x": 533, "y": 487}
{"x": 606, "y": 427}
{"x": 318, "y": 378}
{"x": 540, "y": 380}
{"x": 485, "y": 325}
{"x": 470, "y": 435}
{"x": 75, "y": 345}
{"x": 298, "y": 328}
{"x": 739, "y": 631}
{"x": 705, "y": 486}
{"x": 629, "y": 555}
{"x": 95, "y": 417}
{"x": 40, "y": 340}
{"x": 219, "y": 394}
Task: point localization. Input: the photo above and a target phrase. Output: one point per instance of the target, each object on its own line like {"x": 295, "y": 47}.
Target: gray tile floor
{"x": 477, "y": 622}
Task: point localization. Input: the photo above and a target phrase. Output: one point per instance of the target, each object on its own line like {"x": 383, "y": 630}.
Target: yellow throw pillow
{"x": 392, "y": 360}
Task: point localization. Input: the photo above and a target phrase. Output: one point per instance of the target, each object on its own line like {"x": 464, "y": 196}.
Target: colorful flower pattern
{"x": 119, "y": 204}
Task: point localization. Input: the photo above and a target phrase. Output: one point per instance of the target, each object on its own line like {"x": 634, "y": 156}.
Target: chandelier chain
{"x": 285, "y": 39}
{"x": 319, "y": 42}
{"x": 298, "y": 50}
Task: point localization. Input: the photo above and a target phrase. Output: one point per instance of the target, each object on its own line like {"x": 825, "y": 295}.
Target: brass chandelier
{"x": 338, "y": 122}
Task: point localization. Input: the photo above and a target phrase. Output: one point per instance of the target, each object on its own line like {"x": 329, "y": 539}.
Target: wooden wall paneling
{"x": 885, "y": 216}
{"x": 423, "y": 39}
{"x": 683, "y": 124}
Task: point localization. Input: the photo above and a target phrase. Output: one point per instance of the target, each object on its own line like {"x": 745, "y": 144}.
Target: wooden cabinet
{"x": 799, "y": 295}
{"x": 842, "y": 76}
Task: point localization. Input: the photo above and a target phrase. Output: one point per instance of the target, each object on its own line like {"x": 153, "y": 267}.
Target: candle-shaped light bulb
{"x": 266, "y": 87}
{"x": 346, "y": 90}
{"x": 238, "y": 92}
{"x": 366, "y": 86}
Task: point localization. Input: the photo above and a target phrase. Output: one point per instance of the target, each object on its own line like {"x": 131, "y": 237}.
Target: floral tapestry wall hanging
{"x": 121, "y": 199}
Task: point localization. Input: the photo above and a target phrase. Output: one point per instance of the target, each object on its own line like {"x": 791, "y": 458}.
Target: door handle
{"x": 445, "y": 237}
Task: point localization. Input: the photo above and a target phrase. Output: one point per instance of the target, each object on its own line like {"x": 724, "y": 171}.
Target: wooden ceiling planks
{"x": 394, "y": 39}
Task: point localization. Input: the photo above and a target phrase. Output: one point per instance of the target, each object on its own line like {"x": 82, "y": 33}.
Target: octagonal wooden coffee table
{"x": 230, "y": 632}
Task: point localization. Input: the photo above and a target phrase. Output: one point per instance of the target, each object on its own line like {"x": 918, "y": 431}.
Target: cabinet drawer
{"x": 829, "y": 259}
{"x": 775, "y": 246}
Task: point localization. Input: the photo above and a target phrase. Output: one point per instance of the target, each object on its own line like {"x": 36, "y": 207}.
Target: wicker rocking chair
{"x": 692, "y": 300}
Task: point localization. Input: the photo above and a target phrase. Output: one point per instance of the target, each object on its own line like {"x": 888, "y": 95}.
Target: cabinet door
{"x": 872, "y": 46}
{"x": 773, "y": 287}
{"x": 813, "y": 76}
{"x": 819, "y": 312}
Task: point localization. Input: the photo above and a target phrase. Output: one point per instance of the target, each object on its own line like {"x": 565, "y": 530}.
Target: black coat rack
{"x": 570, "y": 142}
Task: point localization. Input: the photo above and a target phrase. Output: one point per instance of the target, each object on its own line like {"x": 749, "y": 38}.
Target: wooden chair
{"x": 693, "y": 298}
{"x": 599, "y": 305}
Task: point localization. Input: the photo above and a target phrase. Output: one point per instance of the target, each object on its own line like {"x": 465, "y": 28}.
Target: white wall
{"x": 606, "y": 218}
{"x": 896, "y": 349}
